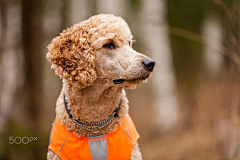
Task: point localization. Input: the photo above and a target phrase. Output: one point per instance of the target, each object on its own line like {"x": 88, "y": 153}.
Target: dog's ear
{"x": 72, "y": 57}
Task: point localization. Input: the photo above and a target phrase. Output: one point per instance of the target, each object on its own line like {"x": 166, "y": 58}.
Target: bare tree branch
{"x": 201, "y": 39}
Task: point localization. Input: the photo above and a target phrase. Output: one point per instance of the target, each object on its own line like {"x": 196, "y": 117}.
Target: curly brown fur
{"x": 72, "y": 57}
{"x": 89, "y": 68}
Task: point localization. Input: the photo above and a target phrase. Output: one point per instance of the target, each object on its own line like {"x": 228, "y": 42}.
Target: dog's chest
{"x": 115, "y": 145}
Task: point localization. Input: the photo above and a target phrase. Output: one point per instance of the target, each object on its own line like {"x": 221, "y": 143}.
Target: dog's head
{"x": 99, "y": 47}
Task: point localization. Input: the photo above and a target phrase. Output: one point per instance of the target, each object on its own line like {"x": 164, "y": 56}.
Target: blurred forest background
{"x": 189, "y": 110}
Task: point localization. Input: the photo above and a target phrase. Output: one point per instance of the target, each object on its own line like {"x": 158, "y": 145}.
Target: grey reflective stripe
{"x": 98, "y": 147}
{"x": 64, "y": 142}
{"x": 52, "y": 129}
{"x": 127, "y": 133}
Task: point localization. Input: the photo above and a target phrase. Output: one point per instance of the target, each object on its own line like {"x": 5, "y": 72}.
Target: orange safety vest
{"x": 117, "y": 145}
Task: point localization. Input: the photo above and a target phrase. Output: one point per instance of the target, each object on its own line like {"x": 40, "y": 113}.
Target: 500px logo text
{"x": 19, "y": 140}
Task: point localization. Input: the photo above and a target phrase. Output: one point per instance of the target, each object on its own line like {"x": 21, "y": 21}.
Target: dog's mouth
{"x": 134, "y": 81}
{"x": 118, "y": 81}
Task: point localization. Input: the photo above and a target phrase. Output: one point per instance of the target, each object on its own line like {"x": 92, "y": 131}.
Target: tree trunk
{"x": 10, "y": 59}
{"x": 31, "y": 33}
{"x": 32, "y": 48}
{"x": 158, "y": 44}
{"x": 213, "y": 32}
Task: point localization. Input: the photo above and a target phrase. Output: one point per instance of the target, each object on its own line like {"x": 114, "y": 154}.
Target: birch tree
{"x": 158, "y": 44}
{"x": 213, "y": 32}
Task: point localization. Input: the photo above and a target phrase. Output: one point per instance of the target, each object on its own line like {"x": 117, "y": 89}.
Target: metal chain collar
{"x": 95, "y": 127}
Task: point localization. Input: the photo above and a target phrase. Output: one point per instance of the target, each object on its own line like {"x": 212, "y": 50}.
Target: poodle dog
{"x": 96, "y": 61}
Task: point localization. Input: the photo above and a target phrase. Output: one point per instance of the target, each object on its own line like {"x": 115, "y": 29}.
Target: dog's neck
{"x": 94, "y": 103}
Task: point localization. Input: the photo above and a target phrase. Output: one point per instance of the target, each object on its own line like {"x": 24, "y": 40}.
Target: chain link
{"x": 104, "y": 123}
{"x": 94, "y": 126}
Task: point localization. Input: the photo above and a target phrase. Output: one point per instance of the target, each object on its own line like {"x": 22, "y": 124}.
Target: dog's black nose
{"x": 148, "y": 64}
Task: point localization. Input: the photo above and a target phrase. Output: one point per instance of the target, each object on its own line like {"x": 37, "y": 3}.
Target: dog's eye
{"x": 109, "y": 45}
